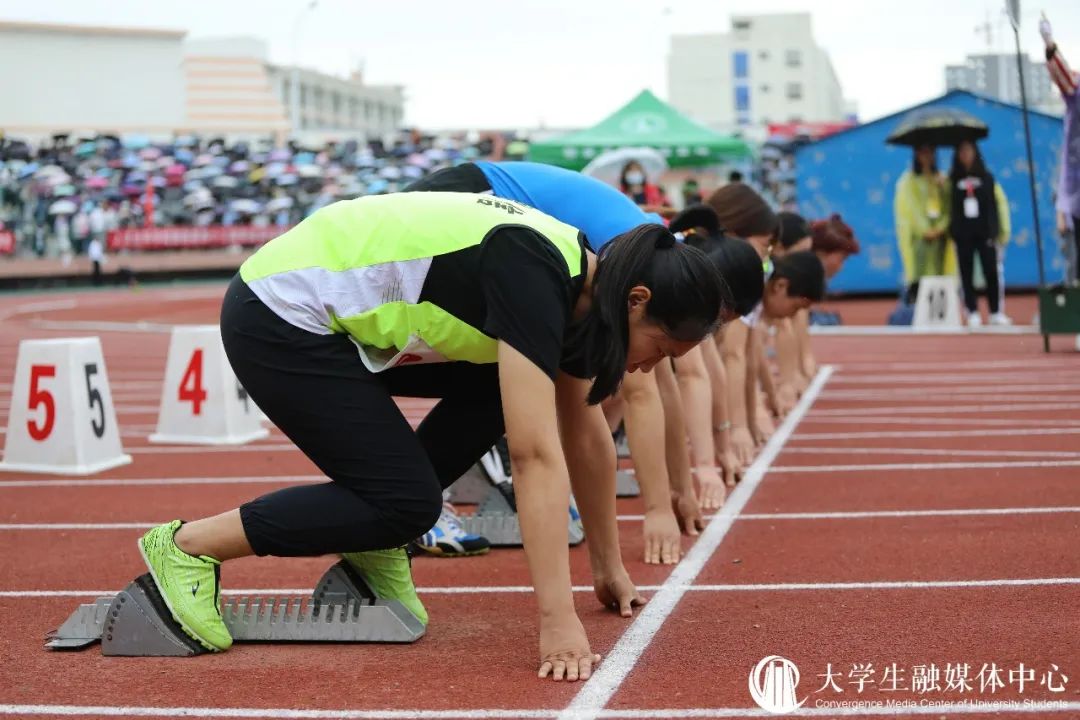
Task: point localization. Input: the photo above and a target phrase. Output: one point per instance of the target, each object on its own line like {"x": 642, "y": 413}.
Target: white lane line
{"x": 614, "y": 670}
{"x": 979, "y": 390}
{"x": 864, "y": 330}
{"x": 1032, "y": 365}
{"x": 832, "y": 515}
{"x": 987, "y": 432}
{"x": 863, "y": 514}
{"x": 106, "y": 482}
{"x": 919, "y": 420}
{"x": 938, "y": 708}
{"x": 681, "y": 588}
{"x": 922, "y": 466}
{"x": 1031, "y": 397}
{"x": 946, "y": 452}
{"x": 973, "y": 381}
{"x": 201, "y": 449}
{"x": 102, "y": 326}
{"x": 949, "y": 409}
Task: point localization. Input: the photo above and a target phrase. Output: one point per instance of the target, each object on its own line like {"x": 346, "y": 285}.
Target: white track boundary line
{"x": 681, "y": 588}
{"x": 940, "y": 709}
{"x": 922, "y": 420}
{"x": 833, "y": 515}
{"x": 934, "y": 434}
{"x": 864, "y": 330}
{"x": 948, "y": 409}
{"x": 922, "y": 466}
{"x": 930, "y": 452}
{"x": 105, "y": 482}
{"x": 613, "y": 671}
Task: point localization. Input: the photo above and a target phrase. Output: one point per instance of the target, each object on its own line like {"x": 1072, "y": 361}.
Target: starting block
{"x": 342, "y": 609}
{"x": 937, "y": 305}
{"x": 471, "y": 488}
{"x": 496, "y": 519}
{"x": 62, "y": 419}
{"x": 626, "y": 484}
{"x": 622, "y": 447}
{"x": 202, "y": 402}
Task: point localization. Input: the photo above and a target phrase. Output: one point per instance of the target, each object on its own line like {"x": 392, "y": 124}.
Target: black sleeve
{"x": 529, "y": 294}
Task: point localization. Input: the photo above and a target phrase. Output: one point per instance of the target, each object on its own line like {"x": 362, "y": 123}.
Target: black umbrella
{"x": 937, "y": 126}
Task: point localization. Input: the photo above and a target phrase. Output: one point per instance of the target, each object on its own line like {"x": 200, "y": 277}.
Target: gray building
{"x": 995, "y": 75}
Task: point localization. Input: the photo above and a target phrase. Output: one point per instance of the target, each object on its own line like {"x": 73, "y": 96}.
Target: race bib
{"x": 415, "y": 352}
{"x": 971, "y": 207}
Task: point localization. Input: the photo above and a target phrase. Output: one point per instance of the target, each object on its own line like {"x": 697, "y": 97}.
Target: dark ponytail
{"x": 738, "y": 262}
{"x": 686, "y": 300}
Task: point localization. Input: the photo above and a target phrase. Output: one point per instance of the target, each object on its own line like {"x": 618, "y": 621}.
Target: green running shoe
{"x": 387, "y": 572}
{"x": 189, "y": 586}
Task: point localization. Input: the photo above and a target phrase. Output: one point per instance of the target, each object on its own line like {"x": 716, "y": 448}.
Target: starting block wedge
{"x": 622, "y": 447}
{"x": 341, "y": 609}
{"x": 496, "y": 519}
{"x": 471, "y": 488}
{"x": 202, "y": 402}
{"x": 626, "y": 484}
{"x": 62, "y": 419}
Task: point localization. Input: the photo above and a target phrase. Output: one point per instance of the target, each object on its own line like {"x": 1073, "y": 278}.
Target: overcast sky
{"x": 568, "y": 63}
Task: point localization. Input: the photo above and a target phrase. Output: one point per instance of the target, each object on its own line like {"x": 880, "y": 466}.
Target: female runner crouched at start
{"x": 497, "y": 309}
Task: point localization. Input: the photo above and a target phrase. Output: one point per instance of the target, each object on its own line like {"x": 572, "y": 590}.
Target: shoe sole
{"x": 165, "y": 598}
{"x": 435, "y": 552}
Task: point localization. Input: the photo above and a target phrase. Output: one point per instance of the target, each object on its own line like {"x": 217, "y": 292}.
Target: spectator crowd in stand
{"x": 58, "y": 197}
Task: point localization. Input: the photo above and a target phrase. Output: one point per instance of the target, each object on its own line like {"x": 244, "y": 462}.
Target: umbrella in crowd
{"x": 937, "y": 127}
{"x": 608, "y": 166}
{"x": 200, "y": 181}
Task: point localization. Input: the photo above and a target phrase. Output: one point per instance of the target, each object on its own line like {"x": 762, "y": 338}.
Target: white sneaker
{"x": 1000, "y": 318}
{"x": 1078, "y": 343}
{"x": 974, "y": 320}
{"x": 493, "y": 467}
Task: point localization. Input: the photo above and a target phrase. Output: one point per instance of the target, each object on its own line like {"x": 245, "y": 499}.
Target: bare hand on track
{"x": 712, "y": 488}
{"x": 742, "y": 444}
{"x": 786, "y": 397}
{"x": 688, "y": 511}
{"x": 616, "y": 591}
{"x": 661, "y": 537}
{"x": 730, "y": 467}
{"x": 564, "y": 650}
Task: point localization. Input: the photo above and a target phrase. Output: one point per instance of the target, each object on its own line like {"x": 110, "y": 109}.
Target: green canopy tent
{"x": 645, "y": 121}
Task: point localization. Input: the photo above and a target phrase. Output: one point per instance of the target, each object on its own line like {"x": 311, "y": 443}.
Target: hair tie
{"x": 665, "y": 240}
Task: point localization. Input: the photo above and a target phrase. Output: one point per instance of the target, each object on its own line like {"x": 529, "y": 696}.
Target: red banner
{"x": 7, "y": 242}
{"x": 178, "y": 238}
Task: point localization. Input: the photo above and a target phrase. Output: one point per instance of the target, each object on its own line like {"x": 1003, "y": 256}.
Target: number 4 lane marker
{"x": 201, "y": 400}
{"x": 614, "y": 669}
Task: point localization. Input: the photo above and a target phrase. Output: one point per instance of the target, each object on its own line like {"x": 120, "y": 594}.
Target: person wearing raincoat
{"x": 921, "y": 210}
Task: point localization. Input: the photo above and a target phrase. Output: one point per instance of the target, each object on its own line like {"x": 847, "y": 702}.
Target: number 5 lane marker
{"x": 614, "y": 669}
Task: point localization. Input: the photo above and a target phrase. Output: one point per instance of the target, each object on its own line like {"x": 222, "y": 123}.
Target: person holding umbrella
{"x": 921, "y": 202}
{"x": 920, "y": 208}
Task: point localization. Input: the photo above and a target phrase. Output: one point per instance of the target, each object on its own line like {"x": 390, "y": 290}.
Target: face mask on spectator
{"x": 635, "y": 178}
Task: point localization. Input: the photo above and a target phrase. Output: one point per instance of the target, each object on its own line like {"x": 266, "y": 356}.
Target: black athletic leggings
{"x": 966, "y": 248}
{"x": 386, "y": 481}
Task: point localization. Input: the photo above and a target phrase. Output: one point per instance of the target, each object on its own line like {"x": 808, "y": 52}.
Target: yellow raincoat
{"x": 920, "y": 205}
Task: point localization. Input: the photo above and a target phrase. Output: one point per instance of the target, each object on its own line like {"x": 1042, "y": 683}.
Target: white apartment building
{"x": 766, "y": 69}
{"x": 57, "y": 78}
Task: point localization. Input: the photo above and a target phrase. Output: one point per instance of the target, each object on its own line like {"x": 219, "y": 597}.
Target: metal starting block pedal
{"x": 342, "y": 608}
{"x": 496, "y": 519}
{"x": 626, "y": 484}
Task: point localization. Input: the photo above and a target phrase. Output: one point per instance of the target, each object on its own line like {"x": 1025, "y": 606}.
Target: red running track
{"x": 922, "y": 514}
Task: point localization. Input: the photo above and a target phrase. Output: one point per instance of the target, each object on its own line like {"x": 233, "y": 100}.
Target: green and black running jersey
{"x": 428, "y": 277}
